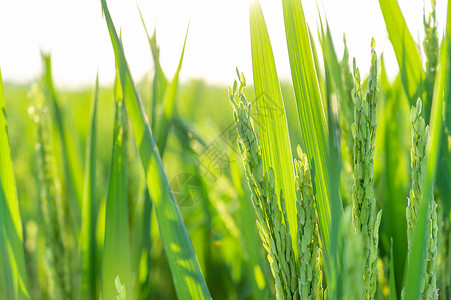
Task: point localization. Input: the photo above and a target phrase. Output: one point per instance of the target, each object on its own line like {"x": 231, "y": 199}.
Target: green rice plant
{"x": 413, "y": 76}
{"x": 294, "y": 279}
{"x": 116, "y": 252}
{"x": 419, "y": 247}
{"x": 186, "y": 273}
{"x": 271, "y": 221}
{"x": 72, "y": 185}
{"x": 364, "y": 202}
{"x": 13, "y": 274}
{"x": 57, "y": 255}
{"x": 419, "y": 130}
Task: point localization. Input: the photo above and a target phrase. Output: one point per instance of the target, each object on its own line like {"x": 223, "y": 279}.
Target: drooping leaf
{"x": 406, "y": 50}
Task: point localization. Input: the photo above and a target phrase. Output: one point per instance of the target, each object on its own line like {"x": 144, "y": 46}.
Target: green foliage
{"x": 125, "y": 231}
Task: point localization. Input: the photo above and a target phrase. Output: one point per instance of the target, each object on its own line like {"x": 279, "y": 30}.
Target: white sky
{"x": 75, "y": 34}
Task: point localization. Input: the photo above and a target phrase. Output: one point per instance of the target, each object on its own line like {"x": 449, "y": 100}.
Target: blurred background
{"x": 75, "y": 34}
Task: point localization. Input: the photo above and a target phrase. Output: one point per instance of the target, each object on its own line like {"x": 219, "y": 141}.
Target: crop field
{"x": 335, "y": 184}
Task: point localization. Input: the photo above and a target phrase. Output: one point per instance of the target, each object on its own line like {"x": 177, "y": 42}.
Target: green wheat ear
{"x": 271, "y": 220}
{"x": 310, "y": 277}
{"x": 419, "y": 132}
{"x": 364, "y": 202}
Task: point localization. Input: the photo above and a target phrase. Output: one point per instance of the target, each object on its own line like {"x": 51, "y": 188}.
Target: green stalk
{"x": 364, "y": 202}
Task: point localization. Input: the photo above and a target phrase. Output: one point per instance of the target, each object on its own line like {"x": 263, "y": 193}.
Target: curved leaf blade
{"x": 186, "y": 274}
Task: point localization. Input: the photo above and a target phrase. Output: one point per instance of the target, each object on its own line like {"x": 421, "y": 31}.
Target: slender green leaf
{"x": 186, "y": 274}
{"x": 89, "y": 209}
{"x": 161, "y": 135}
{"x": 159, "y": 80}
{"x": 333, "y": 84}
{"x": 311, "y": 110}
{"x": 11, "y": 238}
{"x": 116, "y": 251}
{"x": 406, "y": 50}
{"x": 271, "y": 118}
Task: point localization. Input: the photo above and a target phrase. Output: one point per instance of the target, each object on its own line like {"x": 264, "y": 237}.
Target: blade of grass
{"x": 186, "y": 274}
{"x": 271, "y": 118}
{"x": 116, "y": 251}
{"x": 11, "y": 237}
{"x": 406, "y": 50}
{"x": 159, "y": 80}
{"x": 89, "y": 209}
{"x": 312, "y": 117}
{"x": 161, "y": 135}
